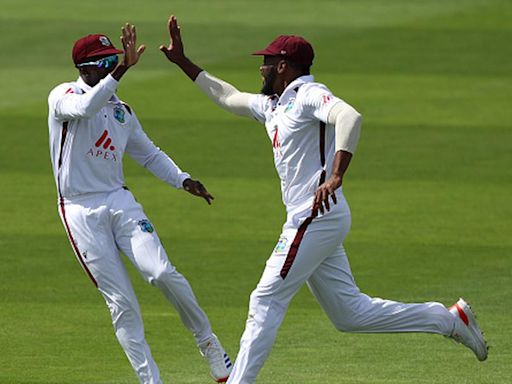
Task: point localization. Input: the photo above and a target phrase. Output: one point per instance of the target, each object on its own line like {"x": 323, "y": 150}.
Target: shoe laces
{"x": 212, "y": 350}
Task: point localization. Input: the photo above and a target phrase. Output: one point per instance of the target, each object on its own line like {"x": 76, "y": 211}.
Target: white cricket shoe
{"x": 218, "y": 359}
{"x": 466, "y": 330}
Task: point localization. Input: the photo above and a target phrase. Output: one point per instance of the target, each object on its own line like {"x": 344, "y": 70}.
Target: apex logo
{"x": 106, "y": 142}
{"x": 104, "y": 149}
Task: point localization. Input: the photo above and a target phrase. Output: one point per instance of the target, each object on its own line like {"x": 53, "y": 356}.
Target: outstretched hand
{"x": 196, "y": 188}
{"x": 174, "y": 52}
{"x": 129, "y": 40}
{"x": 131, "y": 53}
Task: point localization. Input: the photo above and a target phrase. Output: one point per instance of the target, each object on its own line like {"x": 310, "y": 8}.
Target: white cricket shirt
{"x": 303, "y": 144}
{"x": 90, "y": 130}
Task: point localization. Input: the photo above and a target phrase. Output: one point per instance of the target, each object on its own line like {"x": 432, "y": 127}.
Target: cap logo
{"x": 105, "y": 41}
{"x": 283, "y": 52}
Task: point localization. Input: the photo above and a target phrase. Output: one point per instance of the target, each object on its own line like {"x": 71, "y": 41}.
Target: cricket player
{"x": 90, "y": 130}
{"x": 314, "y": 135}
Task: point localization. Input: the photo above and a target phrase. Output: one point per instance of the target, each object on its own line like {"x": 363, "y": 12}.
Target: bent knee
{"x": 346, "y": 327}
{"x": 161, "y": 273}
{"x": 349, "y": 319}
{"x": 123, "y": 310}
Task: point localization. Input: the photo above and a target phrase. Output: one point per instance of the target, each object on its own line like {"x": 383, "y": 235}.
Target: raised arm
{"x": 131, "y": 52}
{"x": 69, "y": 103}
{"x": 222, "y": 93}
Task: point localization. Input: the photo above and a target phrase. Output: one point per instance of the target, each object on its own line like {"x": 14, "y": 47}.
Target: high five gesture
{"x": 129, "y": 40}
{"x": 175, "y": 52}
{"x": 131, "y": 53}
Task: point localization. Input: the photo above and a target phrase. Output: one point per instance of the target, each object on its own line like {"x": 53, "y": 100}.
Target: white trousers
{"x": 310, "y": 251}
{"x": 99, "y": 226}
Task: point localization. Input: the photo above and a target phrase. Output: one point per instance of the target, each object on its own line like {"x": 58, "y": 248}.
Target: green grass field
{"x": 430, "y": 188}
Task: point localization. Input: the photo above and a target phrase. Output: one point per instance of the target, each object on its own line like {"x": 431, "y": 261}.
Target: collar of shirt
{"x": 289, "y": 91}
{"x": 86, "y": 88}
{"x": 83, "y": 85}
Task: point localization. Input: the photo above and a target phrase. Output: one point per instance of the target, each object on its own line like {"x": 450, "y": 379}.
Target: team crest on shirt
{"x": 119, "y": 114}
{"x": 146, "y": 226}
{"x": 289, "y": 105}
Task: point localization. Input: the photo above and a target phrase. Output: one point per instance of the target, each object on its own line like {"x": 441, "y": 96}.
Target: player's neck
{"x": 283, "y": 83}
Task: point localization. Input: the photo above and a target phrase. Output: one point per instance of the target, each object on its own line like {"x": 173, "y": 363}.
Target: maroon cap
{"x": 295, "y": 48}
{"x": 93, "y": 46}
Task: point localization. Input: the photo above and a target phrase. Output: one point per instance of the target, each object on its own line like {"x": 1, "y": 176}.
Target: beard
{"x": 268, "y": 81}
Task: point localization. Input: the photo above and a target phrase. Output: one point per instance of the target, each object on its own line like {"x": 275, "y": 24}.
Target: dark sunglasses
{"x": 105, "y": 62}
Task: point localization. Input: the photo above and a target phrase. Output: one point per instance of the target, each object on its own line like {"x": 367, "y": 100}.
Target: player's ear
{"x": 281, "y": 66}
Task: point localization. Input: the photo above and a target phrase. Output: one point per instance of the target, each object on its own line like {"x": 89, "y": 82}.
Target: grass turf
{"x": 430, "y": 187}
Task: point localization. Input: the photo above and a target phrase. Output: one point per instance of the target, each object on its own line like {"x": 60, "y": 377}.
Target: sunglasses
{"x": 106, "y": 62}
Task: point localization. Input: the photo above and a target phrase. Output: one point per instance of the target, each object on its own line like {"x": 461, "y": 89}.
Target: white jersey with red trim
{"x": 302, "y": 142}
{"x": 90, "y": 130}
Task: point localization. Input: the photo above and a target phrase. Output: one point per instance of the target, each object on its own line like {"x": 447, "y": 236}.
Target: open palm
{"x": 129, "y": 40}
{"x": 174, "y": 51}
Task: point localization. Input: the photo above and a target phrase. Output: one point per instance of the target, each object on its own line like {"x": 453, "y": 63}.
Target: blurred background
{"x": 430, "y": 186}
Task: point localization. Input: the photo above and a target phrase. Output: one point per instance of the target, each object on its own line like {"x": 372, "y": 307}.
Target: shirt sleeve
{"x": 67, "y": 102}
{"x": 147, "y": 154}
{"x": 347, "y": 126}
{"x": 224, "y": 94}
{"x": 318, "y": 101}
{"x": 259, "y": 104}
